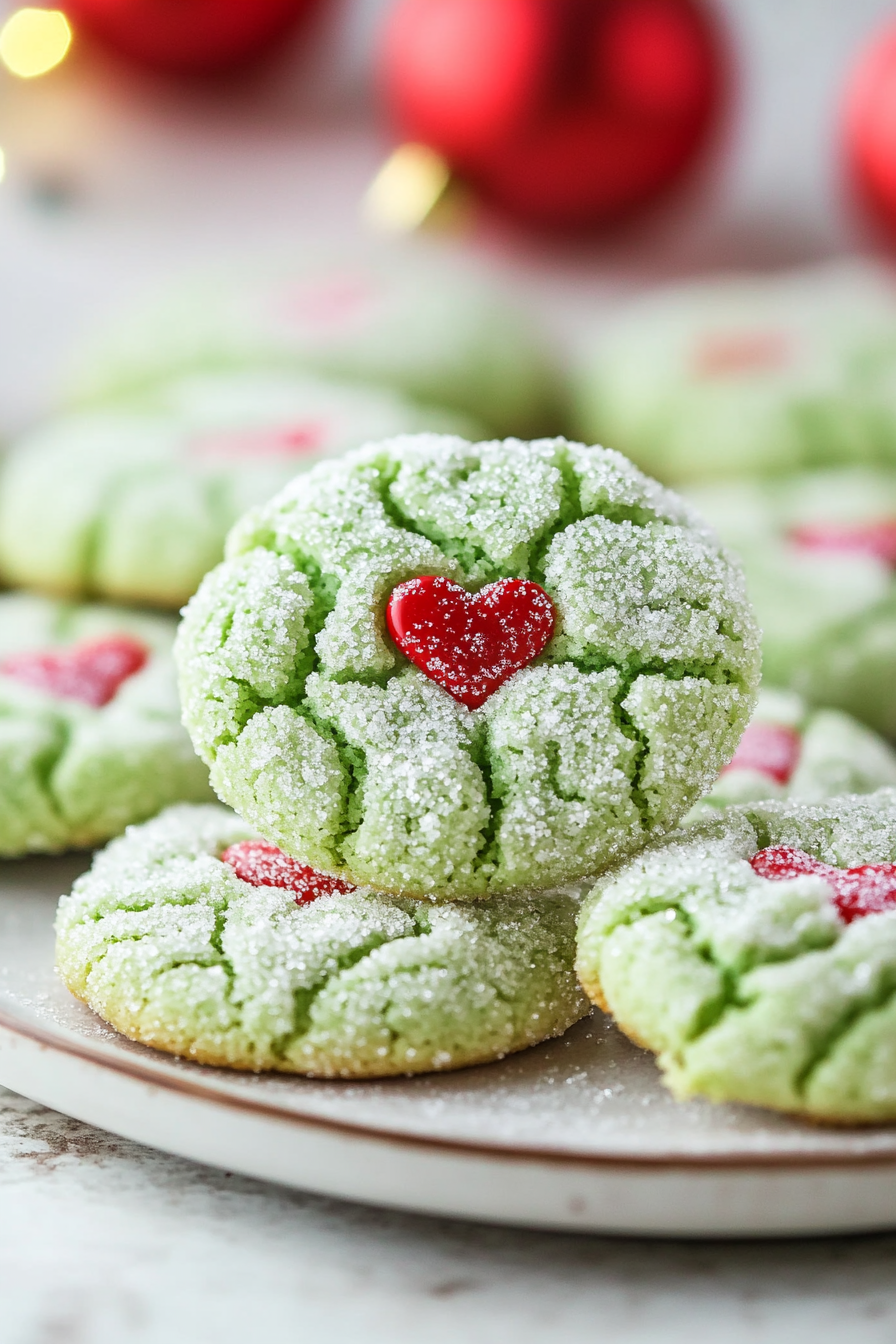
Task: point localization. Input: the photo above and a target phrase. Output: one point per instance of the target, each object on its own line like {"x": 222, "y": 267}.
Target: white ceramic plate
{"x": 576, "y": 1134}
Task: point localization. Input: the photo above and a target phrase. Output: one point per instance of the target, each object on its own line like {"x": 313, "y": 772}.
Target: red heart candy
{"x": 283, "y": 441}
{"x": 91, "y": 671}
{"x": 740, "y": 354}
{"x": 470, "y": 643}
{"x": 333, "y": 302}
{"x": 875, "y": 538}
{"x": 867, "y": 890}
{"x": 265, "y": 865}
{"x": 770, "y": 748}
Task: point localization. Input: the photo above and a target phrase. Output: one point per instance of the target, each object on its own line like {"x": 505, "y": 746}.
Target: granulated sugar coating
{"x": 165, "y": 942}
{"x": 90, "y": 738}
{"x": 324, "y": 737}
{"x": 755, "y": 972}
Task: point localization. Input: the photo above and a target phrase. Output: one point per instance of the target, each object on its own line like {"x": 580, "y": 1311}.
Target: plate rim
{"x": 196, "y": 1090}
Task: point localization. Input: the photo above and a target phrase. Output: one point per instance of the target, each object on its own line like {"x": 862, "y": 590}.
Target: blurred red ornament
{"x": 870, "y": 125}
{"x": 566, "y": 112}
{"x": 187, "y": 36}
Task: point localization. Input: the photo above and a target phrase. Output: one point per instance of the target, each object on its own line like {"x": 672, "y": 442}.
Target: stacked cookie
{"x": 442, "y": 684}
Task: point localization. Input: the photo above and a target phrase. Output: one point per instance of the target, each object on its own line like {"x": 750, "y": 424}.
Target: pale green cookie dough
{"x": 72, "y": 775}
{"x": 170, "y": 947}
{"x": 747, "y": 376}
{"x": 323, "y": 736}
{"x": 747, "y": 989}
{"x": 134, "y": 502}
{"x": 440, "y": 332}
{"x": 834, "y": 753}
{"x": 828, "y": 618}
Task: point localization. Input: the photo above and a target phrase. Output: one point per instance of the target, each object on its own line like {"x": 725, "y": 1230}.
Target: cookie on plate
{"x": 452, "y": 669}
{"x": 190, "y": 935}
{"x": 819, "y": 551}
{"x": 90, "y": 732}
{"x": 756, "y": 956}
{"x": 134, "y": 502}
{"x": 791, "y": 751}
{"x": 748, "y": 376}
{"x": 439, "y": 332}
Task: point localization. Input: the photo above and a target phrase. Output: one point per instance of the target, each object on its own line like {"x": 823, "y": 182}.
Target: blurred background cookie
{"x": 819, "y": 551}
{"x": 436, "y": 330}
{"x": 133, "y": 501}
{"x": 90, "y": 733}
{"x": 748, "y": 376}
{"x": 791, "y": 751}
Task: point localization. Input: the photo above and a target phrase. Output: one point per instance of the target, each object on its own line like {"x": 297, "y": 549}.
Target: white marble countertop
{"x": 104, "y": 1242}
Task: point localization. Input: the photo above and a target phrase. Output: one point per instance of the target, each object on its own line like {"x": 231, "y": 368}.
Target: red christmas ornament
{"x": 566, "y": 112}
{"x": 264, "y": 865}
{"x": 90, "y": 672}
{"x": 470, "y": 644}
{"x": 870, "y": 126}
{"x": 868, "y": 890}
{"x": 183, "y": 37}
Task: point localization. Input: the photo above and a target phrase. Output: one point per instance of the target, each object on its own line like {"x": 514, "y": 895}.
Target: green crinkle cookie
{"x": 439, "y": 332}
{"x": 791, "y": 751}
{"x": 170, "y": 947}
{"x": 750, "y": 376}
{"x": 133, "y": 502}
{"x": 818, "y": 553}
{"x": 750, "y": 989}
{"x": 322, "y": 735}
{"x": 72, "y": 775}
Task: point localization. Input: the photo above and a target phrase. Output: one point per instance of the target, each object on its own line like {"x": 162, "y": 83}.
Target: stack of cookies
{"x": 442, "y": 684}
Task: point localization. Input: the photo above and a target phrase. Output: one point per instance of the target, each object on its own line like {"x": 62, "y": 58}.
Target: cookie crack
{"x": 885, "y": 995}
{"x": 305, "y": 998}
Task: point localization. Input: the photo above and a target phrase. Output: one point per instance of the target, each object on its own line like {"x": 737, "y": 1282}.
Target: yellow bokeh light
{"x": 406, "y": 188}
{"x": 33, "y": 41}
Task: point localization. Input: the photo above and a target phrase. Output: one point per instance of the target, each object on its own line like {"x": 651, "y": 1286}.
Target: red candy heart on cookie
{"x": 876, "y": 538}
{"x": 772, "y": 749}
{"x": 273, "y": 442}
{"x": 470, "y": 643}
{"x": 868, "y": 890}
{"x": 740, "y": 354}
{"x": 265, "y": 865}
{"x": 91, "y": 671}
